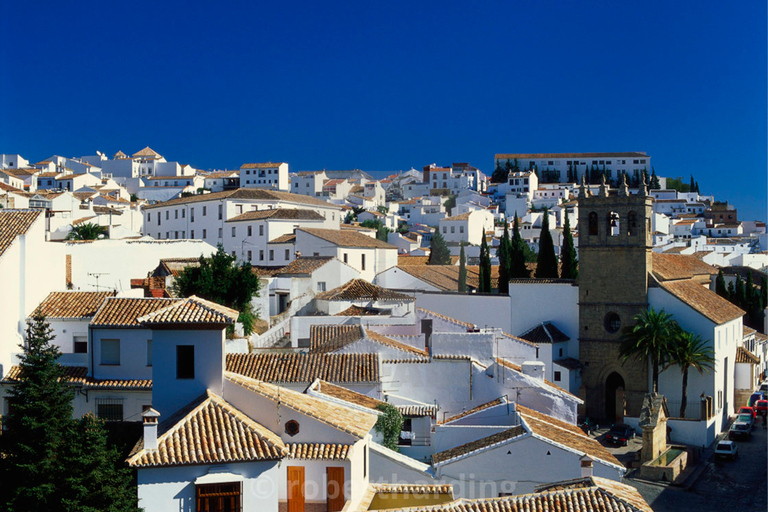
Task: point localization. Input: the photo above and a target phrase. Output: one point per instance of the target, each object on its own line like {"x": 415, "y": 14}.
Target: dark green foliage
{"x": 500, "y": 173}
{"x": 439, "y": 254}
{"x": 517, "y": 253}
{"x": 382, "y": 210}
{"x": 546, "y": 264}
{"x": 504, "y": 253}
{"x": 731, "y": 292}
{"x": 389, "y": 425}
{"x": 450, "y": 204}
{"x": 649, "y": 340}
{"x": 654, "y": 184}
{"x": 485, "y": 267}
{"x": 220, "y": 280}
{"x": 403, "y": 228}
{"x": 50, "y": 461}
{"x": 570, "y": 265}
{"x": 350, "y": 218}
{"x": 462, "y": 270}
{"x": 720, "y": 287}
{"x": 382, "y": 231}
{"x": 677, "y": 184}
{"x": 764, "y": 290}
{"x": 87, "y": 231}
{"x": 740, "y": 297}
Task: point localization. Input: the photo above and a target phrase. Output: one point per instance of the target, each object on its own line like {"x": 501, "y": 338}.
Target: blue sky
{"x": 390, "y": 85}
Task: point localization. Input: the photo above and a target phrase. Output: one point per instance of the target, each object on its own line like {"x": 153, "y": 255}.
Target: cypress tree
{"x": 462, "y": 270}
{"x": 655, "y": 184}
{"x": 570, "y": 268}
{"x": 439, "y": 254}
{"x": 731, "y": 292}
{"x": 485, "y": 267}
{"x": 517, "y": 268}
{"x": 720, "y": 287}
{"x": 692, "y": 186}
{"x": 764, "y": 290}
{"x": 505, "y": 246}
{"x": 740, "y": 297}
{"x": 546, "y": 263}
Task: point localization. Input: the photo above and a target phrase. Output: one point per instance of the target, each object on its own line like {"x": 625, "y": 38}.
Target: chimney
{"x": 150, "y": 428}
{"x": 586, "y": 466}
{"x": 534, "y": 369}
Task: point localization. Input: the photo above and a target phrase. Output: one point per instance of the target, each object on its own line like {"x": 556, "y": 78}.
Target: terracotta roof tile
{"x": 174, "y": 266}
{"x": 360, "y": 289}
{"x": 428, "y": 313}
{"x": 78, "y": 376}
{"x": 479, "y": 444}
{"x": 124, "y": 312}
{"x": 14, "y": 223}
{"x": 512, "y": 156}
{"x": 278, "y": 214}
{"x": 347, "y": 395}
{"x": 519, "y": 369}
{"x": 288, "y": 238}
{"x": 264, "y": 165}
{"x": 71, "y": 304}
{"x": 745, "y": 356}
{"x": 481, "y": 407}
{"x": 192, "y": 310}
{"x": 668, "y": 267}
{"x": 329, "y": 338}
{"x": 389, "y": 342}
{"x": 348, "y": 238}
{"x": 246, "y": 193}
{"x": 305, "y": 265}
{"x": 353, "y": 422}
{"x": 545, "y": 333}
{"x": 212, "y": 432}
{"x": 319, "y": 451}
{"x": 296, "y": 367}
{"x": 363, "y": 311}
{"x": 417, "y": 410}
{"x": 147, "y": 151}
{"x": 703, "y": 300}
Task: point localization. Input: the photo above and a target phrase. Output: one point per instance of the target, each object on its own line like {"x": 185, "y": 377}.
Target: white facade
{"x": 468, "y": 227}
{"x": 613, "y": 163}
{"x": 272, "y": 175}
{"x": 308, "y": 183}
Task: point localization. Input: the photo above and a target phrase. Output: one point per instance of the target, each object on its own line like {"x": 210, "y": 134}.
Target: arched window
{"x": 612, "y": 223}
{"x": 632, "y": 224}
{"x": 592, "y": 224}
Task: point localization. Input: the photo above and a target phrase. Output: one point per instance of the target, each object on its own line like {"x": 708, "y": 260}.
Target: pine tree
{"x": 720, "y": 287}
{"x": 570, "y": 268}
{"x": 485, "y": 267}
{"x": 517, "y": 268}
{"x": 500, "y": 173}
{"x": 655, "y": 184}
{"x": 546, "y": 264}
{"x": 439, "y": 254}
{"x": 505, "y": 246}
{"x": 462, "y": 270}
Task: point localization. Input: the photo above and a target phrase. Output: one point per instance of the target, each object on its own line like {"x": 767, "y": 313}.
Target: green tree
{"x": 517, "y": 254}
{"x": 389, "y": 424}
{"x": 504, "y": 253}
{"x": 649, "y": 340}
{"x": 740, "y": 298}
{"x": 546, "y": 264}
{"x": 500, "y": 173}
{"x": 687, "y": 351}
{"x": 87, "y": 231}
{"x": 219, "y": 279}
{"x": 655, "y": 184}
{"x": 382, "y": 210}
{"x": 764, "y": 290}
{"x": 720, "y": 287}
{"x": 485, "y": 267}
{"x": 570, "y": 268}
{"x": 731, "y": 292}
{"x": 462, "y": 270}
{"x": 350, "y": 218}
{"x": 450, "y": 204}
{"x": 439, "y": 254}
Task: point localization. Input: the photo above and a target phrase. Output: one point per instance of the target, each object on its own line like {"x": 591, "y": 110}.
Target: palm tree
{"x": 649, "y": 339}
{"x": 687, "y": 351}
{"x": 87, "y": 231}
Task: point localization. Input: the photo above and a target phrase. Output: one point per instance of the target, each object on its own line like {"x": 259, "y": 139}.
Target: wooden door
{"x": 295, "y": 488}
{"x": 335, "y": 488}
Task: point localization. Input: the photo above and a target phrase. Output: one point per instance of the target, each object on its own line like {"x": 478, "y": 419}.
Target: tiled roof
{"x": 212, "y": 432}
{"x": 71, "y": 304}
{"x": 629, "y": 154}
{"x": 124, "y": 312}
{"x": 14, "y": 223}
{"x": 569, "y": 363}
{"x": 703, "y": 300}
{"x": 347, "y": 238}
{"x": 147, "y": 151}
{"x": 8, "y": 188}
{"x": 481, "y": 407}
{"x": 479, "y": 444}
{"x": 667, "y": 267}
{"x": 174, "y": 266}
{"x": 347, "y": 395}
{"x": 278, "y": 214}
{"x": 319, "y": 451}
{"x": 747, "y": 331}
{"x": 329, "y": 338}
{"x": 555, "y": 430}
{"x": 360, "y": 289}
{"x": 221, "y": 174}
{"x": 389, "y": 342}
{"x": 296, "y": 367}
{"x": 362, "y": 311}
{"x": 428, "y": 313}
{"x": 78, "y": 376}
{"x": 192, "y": 310}
{"x": 82, "y": 220}
{"x": 304, "y": 265}
{"x": 519, "y": 369}
{"x": 284, "y": 239}
{"x": 545, "y": 333}
{"x": 246, "y": 193}
{"x": 353, "y": 422}
{"x": 417, "y": 410}
{"x": 264, "y": 165}
{"x": 461, "y": 216}
{"x": 745, "y": 356}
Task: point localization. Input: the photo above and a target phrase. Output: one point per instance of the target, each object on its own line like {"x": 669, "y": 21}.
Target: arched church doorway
{"x": 614, "y": 391}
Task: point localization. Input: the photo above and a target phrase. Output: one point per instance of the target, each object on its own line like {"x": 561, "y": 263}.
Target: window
{"x": 175, "y": 214}
{"x": 261, "y": 230}
{"x": 221, "y": 211}
{"x": 234, "y": 231}
{"x": 362, "y": 262}
{"x": 261, "y": 255}
{"x": 250, "y": 230}
{"x": 183, "y": 213}
{"x": 249, "y": 256}
{"x": 192, "y": 214}
{"x": 612, "y": 322}
{"x": 158, "y": 218}
{"x": 557, "y": 376}
{"x": 225, "y": 497}
{"x": 185, "y": 361}
{"x": 149, "y": 352}
{"x": 110, "y": 352}
{"x": 205, "y": 211}
{"x": 287, "y": 254}
{"x": 461, "y": 229}
{"x": 561, "y": 353}
{"x": 271, "y": 255}
{"x": 292, "y": 428}
{"x": 221, "y": 232}
{"x": 109, "y": 409}
{"x": 192, "y": 234}
{"x": 321, "y": 286}
{"x": 453, "y": 229}
{"x": 345, "y": 258}
{"x": 205, "y": 233}
{"x": 445, "y": 229}
{"x": 239, "y": 208}
{"x": 592, "y": 224}
{"x": 176, "y": 235}
{"x": 81, "y": 344}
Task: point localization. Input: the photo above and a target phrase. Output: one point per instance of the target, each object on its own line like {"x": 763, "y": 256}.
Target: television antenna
{"x": 97, "y": 275}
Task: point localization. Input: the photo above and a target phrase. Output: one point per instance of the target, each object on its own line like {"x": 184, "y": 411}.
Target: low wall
{"x": 692, "y": 432}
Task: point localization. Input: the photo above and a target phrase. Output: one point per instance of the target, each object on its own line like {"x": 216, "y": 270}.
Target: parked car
{"x": 746, "y": 418}
{"x": 757, "y": 395}
{"x": 740, "y": 430}
{"x": 620, "y": 434}
{"x": 764, "y": 387}
{"x": 761, "y": 407}
{"x": 748, "y": 410}
{"x": 726, "y": 450}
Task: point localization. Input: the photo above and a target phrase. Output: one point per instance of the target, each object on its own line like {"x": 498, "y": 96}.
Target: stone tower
{"x": 615, "y": 243}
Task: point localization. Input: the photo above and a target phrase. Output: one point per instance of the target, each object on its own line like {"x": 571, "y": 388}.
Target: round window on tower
{"x": 612, "y": 322}
{"x": 292, "y": 428}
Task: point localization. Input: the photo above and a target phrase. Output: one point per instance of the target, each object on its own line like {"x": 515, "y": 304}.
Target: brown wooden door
{"x": 295, "y": 488}
{"x": 335, "y": 488}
